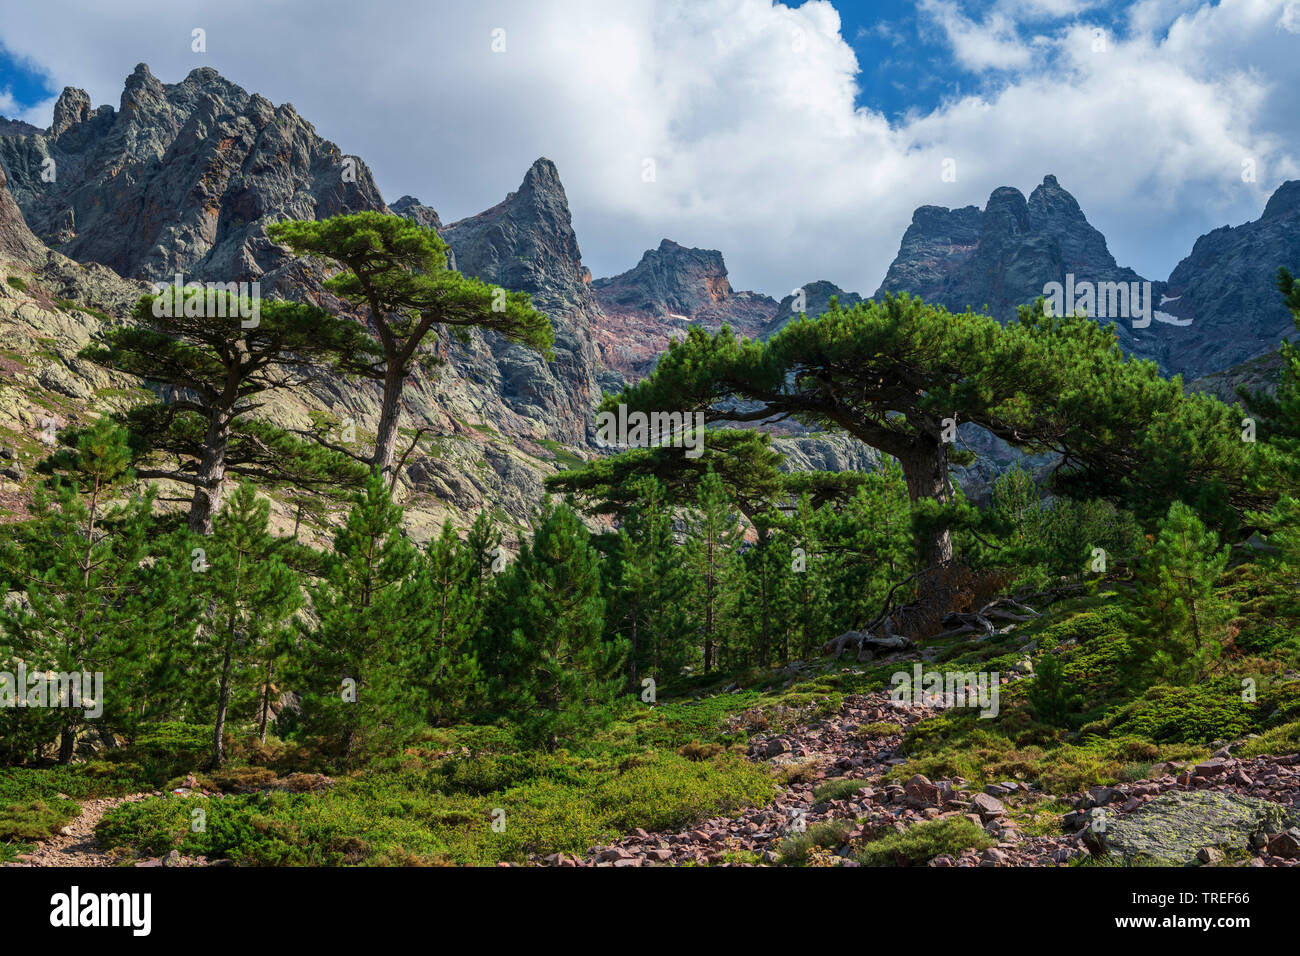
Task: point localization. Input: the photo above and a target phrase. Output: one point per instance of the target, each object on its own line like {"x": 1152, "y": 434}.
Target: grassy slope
{"x": 681, "y": 761}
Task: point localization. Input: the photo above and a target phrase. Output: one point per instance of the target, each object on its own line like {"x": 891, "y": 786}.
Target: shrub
{"x": 838, "y": 789}
{"x": 794, "y": 849}
{"x": 924, "y": 841}
{"x": 37, "y": 820}
{"x": 698, "y": 751}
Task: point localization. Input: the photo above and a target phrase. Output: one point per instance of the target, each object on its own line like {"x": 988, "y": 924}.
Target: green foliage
{"x": 398, "y": 271}
{"x": 924, "y": 841}
{"x": 251, "y": 597}
{"x": 645, "y": 583}
{"x": 1061, "y": 538}
{"x": 557, "y": 664}
{"x": 219, "y": 367}
{"x": 745, "y": 462}
{"x": 1178, "y": 621}
{"x": 100, "y": 596}
{"x": 1050, "y": 694}
{"x": 713, "y": 537}
{"x": 1200, "y": 713}
{"x": 446, "y": 581}
{"x": 37, "y": 820}
{"x": 358, "y": 665}
{"x": 552, "y": 803}
{"x": 795, "y": 848}
{"x": 838, "y": 789}
{"x": 1278, "y": 415}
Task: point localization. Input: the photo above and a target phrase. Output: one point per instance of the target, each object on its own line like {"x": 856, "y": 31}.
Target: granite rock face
{"x": 411, "y": 208}
{"x": 186, "y": 176}
{"x": 670, "y": 290}
{"x": 526, "y": 243}
{"x": 1226, "y": 289}
{"x": 180, "y": 177}
{"x": 810, "y": 299}
{"x": 17, "y": 243}
{"x": 1219, "y": 307}
{"x": 1002, "y": 257}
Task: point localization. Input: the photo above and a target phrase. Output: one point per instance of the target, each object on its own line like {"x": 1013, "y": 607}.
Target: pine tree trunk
{"x": 389, "y": 415}
{"x": 266, "y": 701}
{"x": 925, "y": 467}
{"x": 67, "y": 743}
{"x": 212, "y": 472}
{"x": 223, "y": 704}
{"x": 632, "y": 655}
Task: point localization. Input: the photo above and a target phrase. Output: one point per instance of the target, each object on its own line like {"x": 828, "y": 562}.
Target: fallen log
{"x": 865, "y": 640}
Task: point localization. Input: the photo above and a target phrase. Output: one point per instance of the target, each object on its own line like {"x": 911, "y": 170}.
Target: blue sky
{"x": 795, "y": 138}
{"x": 22, "y": 85}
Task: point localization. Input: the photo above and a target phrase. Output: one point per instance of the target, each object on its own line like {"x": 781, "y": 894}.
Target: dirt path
{"x": 77, "y": 845}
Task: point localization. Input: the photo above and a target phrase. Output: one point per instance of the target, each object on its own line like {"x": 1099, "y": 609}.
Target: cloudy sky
{"x": 795, "y": 138}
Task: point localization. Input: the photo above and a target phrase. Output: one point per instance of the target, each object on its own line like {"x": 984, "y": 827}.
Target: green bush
{"x": 838, "y": 789}
{"x": 37, "y": 820}
{"x": 924, "y": 841}
{"x": 794, "y": 849}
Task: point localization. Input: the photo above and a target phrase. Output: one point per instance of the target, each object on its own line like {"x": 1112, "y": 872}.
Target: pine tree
{"x": 1279, "y": 421}
{"x": 1279, "y": 414}
{"x": 94, "y": 599}
{"x": 1178, "y": 620}
{"x": 398, "y": 271}
{"x": 559, "y": 669}
{"x": 215, "y": 373}
{"x": 713, "y": 539}
{"x": 485, "y": 559}
{"x": 1050, "y": 693}
{"x": 764, "y": 566}
{"x": 898, "y": 374}
{"x": 454, "y": 616}
{"x": 645, "y": 583}
{"x": 252, "y": 598}
{"x": 868, "y": 543}
{"x": 807, "y": 580}
{"x": 362, "y": 691}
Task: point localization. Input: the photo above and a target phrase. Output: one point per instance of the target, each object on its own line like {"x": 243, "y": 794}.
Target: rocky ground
{"x": 1221, "y": 810}
{"x": 76, "y": 844}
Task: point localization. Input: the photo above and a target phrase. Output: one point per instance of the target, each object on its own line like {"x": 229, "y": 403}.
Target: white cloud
{"x": 748, "y": 110}
{"x": 994, "y": 44}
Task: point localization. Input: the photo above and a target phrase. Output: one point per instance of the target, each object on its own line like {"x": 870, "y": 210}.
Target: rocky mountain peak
{"x": 182, "y": 177}
{"x": 526, "y": 241}
{"x": 1284, "y": 201}
{"x": 142, "y": 94}
{"x": 71, "y": 109}
{"x": 1224, "y": 293}
{"x": 672, "y": 279}
{"x": 672, "y": 288}
{"x": 411, "y": 208}
{"x": 1003, "y": 256}
{"x": 810, "y": 299}
{"x": 1006, "y": 213}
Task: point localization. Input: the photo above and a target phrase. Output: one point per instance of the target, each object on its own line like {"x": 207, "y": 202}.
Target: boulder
{"x": 1174, "y": 827}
